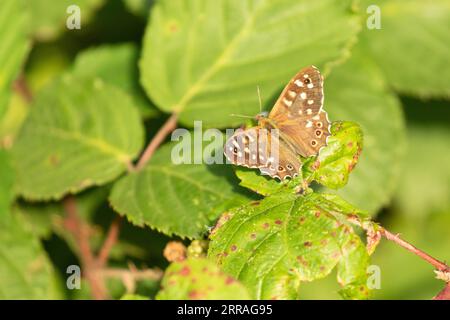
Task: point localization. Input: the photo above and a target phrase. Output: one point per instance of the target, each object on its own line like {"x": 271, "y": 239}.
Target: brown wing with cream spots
{"x": 298, "y": 113}
{"x": 261, "y": 148}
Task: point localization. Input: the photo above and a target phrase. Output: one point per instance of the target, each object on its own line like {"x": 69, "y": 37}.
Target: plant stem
{"x": 162, "y": 133}
{"x": 439, "y": 265}
{"x": 444, "y": 294}
{"x": 110, "y": 241}
{"x": 80, "y": 232}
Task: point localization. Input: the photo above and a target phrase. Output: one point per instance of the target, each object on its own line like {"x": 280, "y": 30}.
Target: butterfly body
{"x": 296, "y": 126}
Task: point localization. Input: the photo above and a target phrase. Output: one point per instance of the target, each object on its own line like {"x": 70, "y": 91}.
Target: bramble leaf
{"x": 15, "y": 44}
{"x": 416, "y": 35}
{"x": 6, "y": 184}
{"x": 181, "y": 199}
{"x": 199, "y": 279}
{"x": 335, "y": 161}
{"x": 115, "y": 65}
{"x": 273, "y": 245}
{"x": 204, "y": 60}
{"x": 79, "y": 133}
{"x": 25, "y": 270}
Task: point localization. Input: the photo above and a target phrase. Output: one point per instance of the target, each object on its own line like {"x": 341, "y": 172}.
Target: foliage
{"x": 78, "y": 107}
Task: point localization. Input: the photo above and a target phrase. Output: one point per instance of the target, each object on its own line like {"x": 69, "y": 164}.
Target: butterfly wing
{"x": 299, "y": 115}
{"x": 261, "y": 148}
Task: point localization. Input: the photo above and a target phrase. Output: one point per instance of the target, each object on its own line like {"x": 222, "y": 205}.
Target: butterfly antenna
{"x": 241, "y": 116}
{"x": 259, "y": 98}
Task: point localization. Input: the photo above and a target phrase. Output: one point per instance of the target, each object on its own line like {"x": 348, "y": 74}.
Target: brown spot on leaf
{"x": 233, "y": 247}
{"x": 301, "y": 220}
{"x": 302, "y": 261}
{"x": 229, "y": 280}
{"x": 253, "y": 236}
{"x": 254, "y": 203}
{"x": 307, "y": 243}
{"x": 278, "y": 222}
{"x": 266, "y": 225}
{"x": 317, "y": 214}
{"x": 194, "y": 294}
{"x": 185, "y": 271}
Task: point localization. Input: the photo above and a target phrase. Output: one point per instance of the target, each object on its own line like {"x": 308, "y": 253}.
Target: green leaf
{"x": 339, "y": 157}
{"x": 79, "y": 133}
{"x": 274, "y": 245}
{"x": 6, "y": 184}
{"x": 199, "y": 279}
{"x": 356, "y": 91}
{"x": 115, "y": 65}
{"x": 176, "y": 199}
{"x": 25, "y": 271}
{"x": 205, "y": 59}
{"x": 49, "y": 17}
{"x": 411, "y": 46}
{"x": 139, "y": 7}
{"x": 14, "y": 47}
{"x": 253, "y": 180}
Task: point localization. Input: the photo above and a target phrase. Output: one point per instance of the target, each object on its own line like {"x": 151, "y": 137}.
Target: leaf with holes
{"x": 15, "y": 44}
{"x": 204, "y": 59}
{"x": 417, "y": 60}
{"x": 273, "y": 245}
{"x": 199, "y": 279}
{"x": 181, "y": 199}
{"x": 335, "y": 161}
{"x": 79, "y": 133}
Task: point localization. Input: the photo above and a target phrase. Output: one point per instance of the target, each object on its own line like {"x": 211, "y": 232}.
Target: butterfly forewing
{"x": 299, "y": 115}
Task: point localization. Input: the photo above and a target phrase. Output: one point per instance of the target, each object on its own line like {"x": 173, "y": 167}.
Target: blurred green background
{"x": 408, "y": 187}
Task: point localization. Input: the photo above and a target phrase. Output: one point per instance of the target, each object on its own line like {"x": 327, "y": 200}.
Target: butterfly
{"x": 296, "y": 126}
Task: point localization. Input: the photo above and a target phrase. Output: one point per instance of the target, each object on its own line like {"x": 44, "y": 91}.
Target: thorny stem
{"x": 162, "y": 133}
{"x": 94, "y": 266}
{"x": 439, "y": 265}
{"x": 80, "y": 232}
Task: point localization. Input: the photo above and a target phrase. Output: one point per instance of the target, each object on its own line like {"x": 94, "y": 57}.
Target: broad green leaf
{"x": 356, "y": 91}
{"x": 13, "y": 34}
{"x": 204, "y": 59}
{"x": 6, "y": 184}
{"x": 274, "y": 245}
{"x": 199, "y": 279}
{"x": 25, "y": 271}
{"x": 12, "y": 120}
{"x": 49, "y": 17}
{"x": 79, "y": 133}
{"x": 411, "y": 46}
{"x": 115, "y": 65}
{"x": 340, "y": 156}
{"x": 181, "y": 199}
{"x": 253, "y": 180}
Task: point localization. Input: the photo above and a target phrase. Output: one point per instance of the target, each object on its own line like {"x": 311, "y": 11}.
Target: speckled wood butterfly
{"x": 296, "y": 126}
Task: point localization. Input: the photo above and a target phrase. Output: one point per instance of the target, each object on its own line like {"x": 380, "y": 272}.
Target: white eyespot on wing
{"x": 308, "y": 111}
{"x": 303, "y": 95}
{"x": 310, "y": 101}
{"x": 254, "y": 156}
{"x": 316, "y": 117}
{"x": 305, "y": 76}
{"x": 246, "y": 150}
{"x": 300, "y": 112}
{"x": 236, "y": 144}
{"x": 310, "y": 85}
{"x": 292, "y": 94}
{"x": 309, "y": 124}
{"x": 239, "y": 154}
